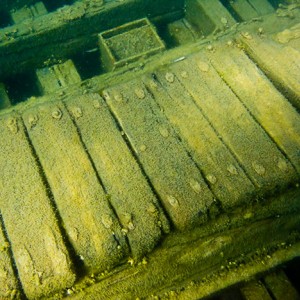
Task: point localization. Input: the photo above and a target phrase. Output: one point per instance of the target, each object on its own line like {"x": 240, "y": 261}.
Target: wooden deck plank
{"x": 208, "y": 15}
{"x": 28, "y": 12}
{"x": 8, "y": 282}
{"x": 172, "y": 172}
{"x": 91, "y": 225}
{"x": 244, "y": 9}
{"x": 190, "y": 262}
{"x": 275, "y": 114}
{"x": 254, "y": 290}
{"x": 279, "y": 62}
{"x": 257, "y": 154}
{"x": 227, "y": 180}
{"x": 181, "y": 32}
{"x": 290, "y": 36}
{"x": 40, "y": 255}
{"x": 58, "y": 76}
{"x": 263, "y": 7}
{"x": 135, "y": 204}
{"x": 280, "y": 286}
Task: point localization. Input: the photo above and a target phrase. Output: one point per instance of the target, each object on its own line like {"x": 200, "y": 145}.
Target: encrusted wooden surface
{"x": 138, "y": 183}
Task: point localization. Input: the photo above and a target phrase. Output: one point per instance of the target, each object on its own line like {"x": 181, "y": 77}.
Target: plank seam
{"x": 218, "y": 134}
{"x": 77, "y": 263}
{"x": 11, "y": 257}
{"x": 217, "y": 201}
{"x": 256, "y": 121}
{"x": 136, "y": 158}
{"x": 253, "y": 7}
{"x": 100, "y": 181}
{"x": 277, "y": 86}
{"x": 230, "y": 9}
{"x": 268, "y": 289}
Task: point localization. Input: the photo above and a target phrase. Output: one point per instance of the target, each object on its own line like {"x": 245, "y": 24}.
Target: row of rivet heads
{"x": 170, "y": 77}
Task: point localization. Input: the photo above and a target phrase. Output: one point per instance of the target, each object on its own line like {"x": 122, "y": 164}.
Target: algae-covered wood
{"x": 90, "y": 223}
{"x": 283, "y": 68}
{"x": 256, "y": 152}
{"x": 255, "y": 290}
{"x": 40, "y": 255}
{"x": 8, "y": 282}
{"x": 225, "y": 177}
{"x": 135, "y": 204}
{"x": 174, "y": 175}
{"x": 209, "y": 15}
{"x": 267, "y": 105}
{"x": 280, "y": 286}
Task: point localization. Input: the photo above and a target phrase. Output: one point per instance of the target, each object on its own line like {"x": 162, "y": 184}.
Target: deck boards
{"x": 137, "y": 208}
{"x": 208, "y": 15}
{"x": 99, "y": 176}
{"x": 92, "y": 227}
{"x": 280, "y": 62}
{"x": 172, "y": 172}
{"x": 280, "y": 286}
{"x": 244, "y": 9}
{"x": 8, "y": 281}
{"x": 58, "y": 76}
{"x": 39, "y": 252}
{"x": 273, "y": 112}
{"x": 223, "y": 173}
{"x": 263, "y": 7}
{"x": 257, "y": 154}
{"x": 255, "y": 290}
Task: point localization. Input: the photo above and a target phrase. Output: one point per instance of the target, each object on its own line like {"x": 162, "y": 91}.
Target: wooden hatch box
{"x": 128, "y": 43}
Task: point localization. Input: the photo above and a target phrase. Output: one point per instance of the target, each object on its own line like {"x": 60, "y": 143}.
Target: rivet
{"x": 163, "y": 132}
{"x": 32, "y": 121}
{"x": 140, "y": 93}
{"x": 232, "y": 170}
{"x": 173, "y": 201}
{"x": 96, "y": 104}
{"x": 170, "y": 77}
{"x": 195, "y": 185}
{"x": 57, "y": 114}
{"x": 184, "y": 74}
{"x": 76, "y": 112}
{"x": 203, "y": 66}
{"x": 107, "y": 221}
{"x": 247, "y": 35}
{"x": 74, "y": 233}
{"x": 143, "y": 148}
{"x": 151, "y": 209}
{"x": 259, "y": 169}
{"x": 211, "y": 178}
{"x": 282, "y": 164}
{"x": 12, "y": 125}
{"x": 153, "y": 84}
{"x": 210, "y": 48}
{"x": 124, "y": 231}
{"x": 106, "y": 95}
{"x": 224, "y": 21}
{"x": 118, "y": 97}
{"x": 126, "y": 217}
{"x": 130, "y": 226}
